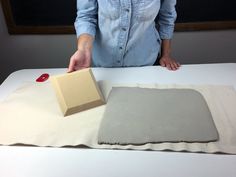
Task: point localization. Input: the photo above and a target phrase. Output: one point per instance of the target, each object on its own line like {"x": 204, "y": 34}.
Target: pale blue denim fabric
{"x": 124, "y": 30}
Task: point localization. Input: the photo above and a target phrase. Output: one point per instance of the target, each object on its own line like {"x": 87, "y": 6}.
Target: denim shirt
{"x": 124, "y": 30}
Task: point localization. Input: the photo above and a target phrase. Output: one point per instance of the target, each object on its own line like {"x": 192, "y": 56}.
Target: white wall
{"x": 205, "y": 47}
{"x": 46, "y": 51}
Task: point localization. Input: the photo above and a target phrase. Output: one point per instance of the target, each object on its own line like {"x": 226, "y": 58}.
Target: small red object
{"x": 43, "y": 77}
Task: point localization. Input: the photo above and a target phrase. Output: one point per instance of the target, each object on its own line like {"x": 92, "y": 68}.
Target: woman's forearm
{"x": 85, "y": 42}
{"x": 166, "y": 48}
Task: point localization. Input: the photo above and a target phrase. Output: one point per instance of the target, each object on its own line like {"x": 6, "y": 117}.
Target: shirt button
{"x": 127, "y": 10}
{"x": 120, "y": 48}
{"x": 124, "y": 29}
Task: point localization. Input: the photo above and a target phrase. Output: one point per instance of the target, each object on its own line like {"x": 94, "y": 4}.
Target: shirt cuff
{"x": 85, "y": 28}
{"x": 166, "y": 31}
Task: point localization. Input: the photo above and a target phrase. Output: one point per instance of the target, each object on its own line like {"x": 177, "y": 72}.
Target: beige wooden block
{"x": 77, "y": 91}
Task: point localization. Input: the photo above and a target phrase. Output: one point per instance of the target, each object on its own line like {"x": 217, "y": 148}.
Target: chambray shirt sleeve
{"x": 86, "y": 20}
{"x": 166, "y": 18}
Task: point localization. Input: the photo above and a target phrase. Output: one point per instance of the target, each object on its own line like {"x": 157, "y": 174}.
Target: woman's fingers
{"x": 71, "y": 65}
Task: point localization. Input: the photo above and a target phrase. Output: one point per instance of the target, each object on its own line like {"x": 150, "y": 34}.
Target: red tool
{"x": 43, "y": 77}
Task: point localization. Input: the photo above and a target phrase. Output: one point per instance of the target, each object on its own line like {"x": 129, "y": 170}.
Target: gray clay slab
{"x": 142, "y": 115}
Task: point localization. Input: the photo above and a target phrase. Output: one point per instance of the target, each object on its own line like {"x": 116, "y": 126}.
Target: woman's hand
{"x": 80, "y": 59}
{"x": 166, "y": 60}
{"x": 83, "y": 56}
{"x": 169, "y": 63}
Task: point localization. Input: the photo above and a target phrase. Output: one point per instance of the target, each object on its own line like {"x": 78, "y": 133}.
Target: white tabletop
{"x": 18, "y": 161}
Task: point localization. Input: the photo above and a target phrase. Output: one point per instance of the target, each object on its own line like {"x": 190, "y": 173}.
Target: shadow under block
{"x": 77, "y": 91}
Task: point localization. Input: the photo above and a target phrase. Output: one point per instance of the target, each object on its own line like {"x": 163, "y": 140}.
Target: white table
{"x": 18, "y": 161}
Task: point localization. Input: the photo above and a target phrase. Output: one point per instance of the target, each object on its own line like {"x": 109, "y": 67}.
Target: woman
{"x": 122, "y": 33}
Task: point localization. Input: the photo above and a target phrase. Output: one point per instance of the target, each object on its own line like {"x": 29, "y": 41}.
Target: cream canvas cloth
{"x": 31, "y": 116}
